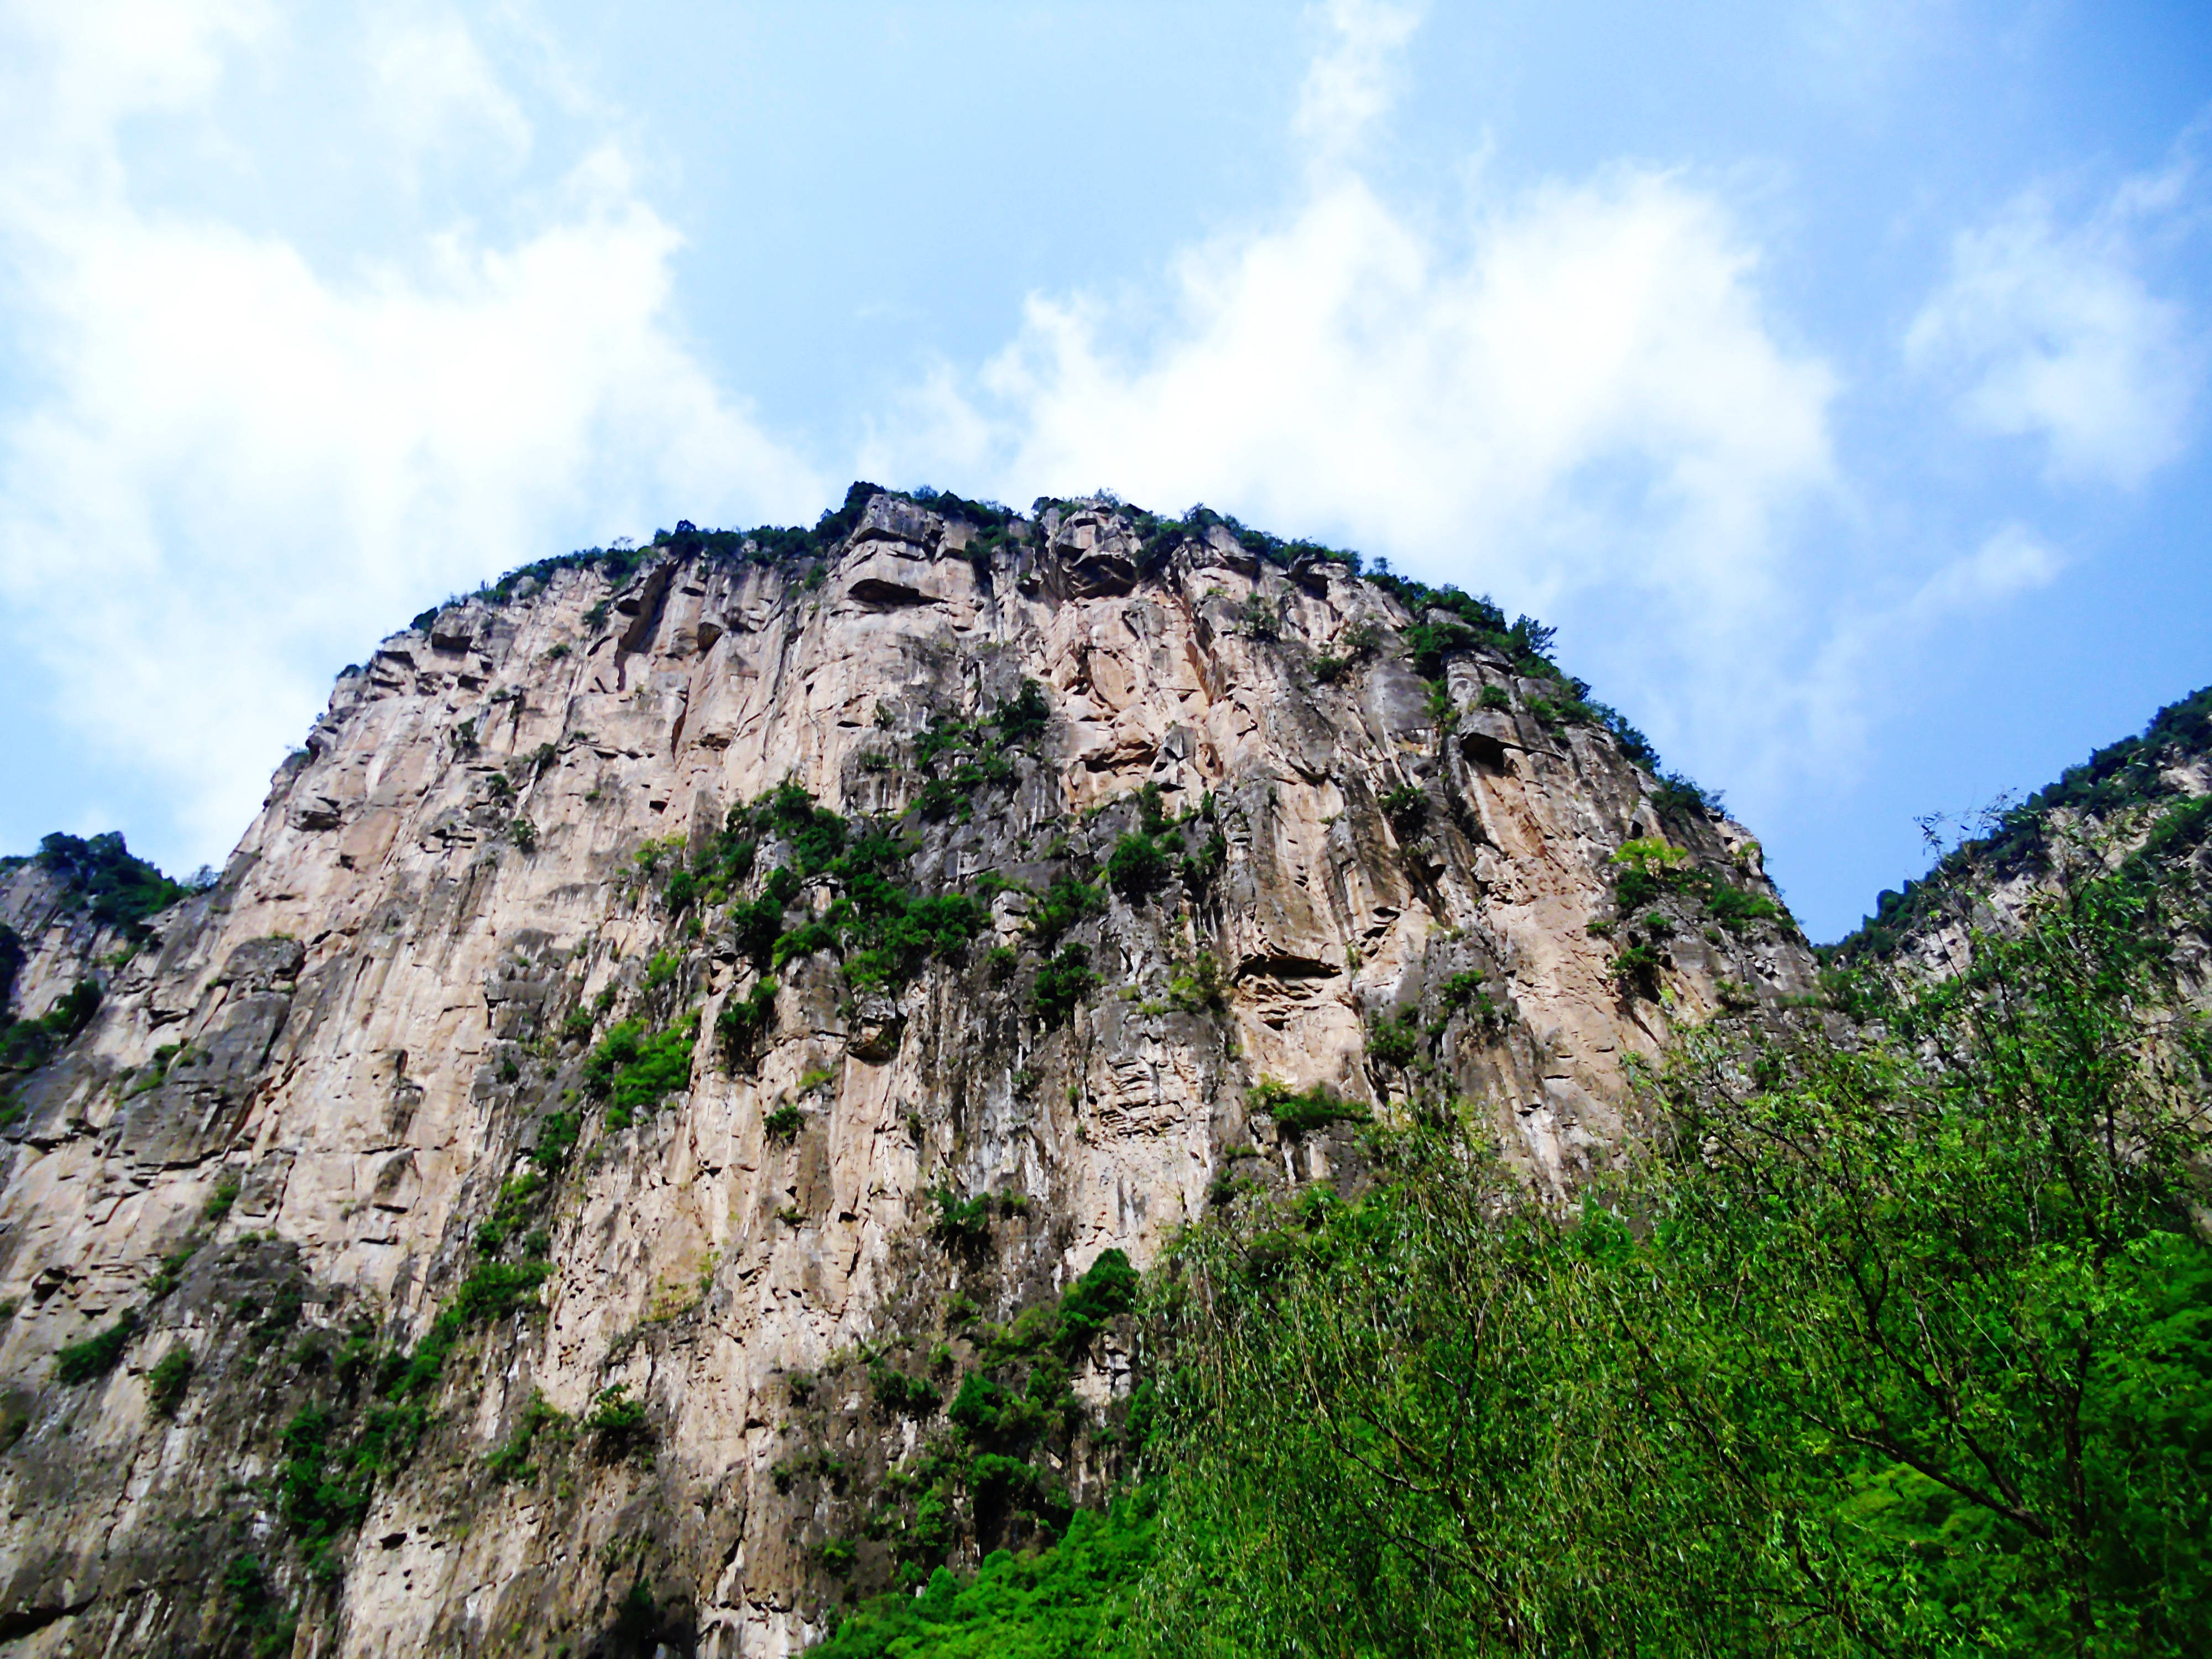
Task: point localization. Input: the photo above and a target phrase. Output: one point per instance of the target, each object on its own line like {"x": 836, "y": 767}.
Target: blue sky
{"x": 1833, "y": 374}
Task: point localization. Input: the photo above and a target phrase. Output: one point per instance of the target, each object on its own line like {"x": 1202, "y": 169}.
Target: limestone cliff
{"x": 629, "y": 1152}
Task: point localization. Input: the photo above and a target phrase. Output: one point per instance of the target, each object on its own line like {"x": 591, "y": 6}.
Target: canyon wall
{"x": 683, "y": 1383}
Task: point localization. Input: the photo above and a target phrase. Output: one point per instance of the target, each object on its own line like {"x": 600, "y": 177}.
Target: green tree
{"x": 1901, "y": 1344}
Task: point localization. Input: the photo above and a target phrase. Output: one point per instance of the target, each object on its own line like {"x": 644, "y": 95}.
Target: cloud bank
{"x": 2050, "y": 332}
{"x": 238, "y": 464}
{"x": 228, "y": 458}
{"x": 1574, "y": 395}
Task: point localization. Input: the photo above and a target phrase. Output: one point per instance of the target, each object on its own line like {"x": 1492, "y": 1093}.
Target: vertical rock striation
{"x": 578, "y": 1234}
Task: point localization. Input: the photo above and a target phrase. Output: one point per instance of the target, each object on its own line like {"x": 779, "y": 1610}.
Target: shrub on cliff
{"x": 634, "y": 1069}
{"x": 744, "y": 1020}
{"x": 117, "y": 888}
{"x": 1137, "y": 868}
{"x": 1061, "y": 983}
{"x": 1297, "y": 1111}
{"x": 96, "y": 1355}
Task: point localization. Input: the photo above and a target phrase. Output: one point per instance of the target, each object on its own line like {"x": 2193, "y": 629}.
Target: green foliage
{"x": 171, "y": 1273}
{"x": 1896, "y": 1345}
{"x": 1137, "y": 867}
{"x": 1357, "y": 644}
{"x": 105, "y": 878}
{"x": 758, "y": 925}
{"x": 1204, "y": 862}
{"x": 1259, "y": 619}
{"x": 1297, "y": 1111}
{"x": 956, "y": 757}
{"x": 1427, "y": 645}
{"x": 1061, "y": 983}
{"x": 1636, "y": 969}
{"x": 1734, "y": 908}
{"x": 155, "y": 1071}
{"x": 1394, "y": 1039}
{"x": 524, "y": 834}
{"x": 744, "y": 1020}
{"x": 960, "y": 1222}
{"x": 28, "y": 1043}
{"x": 784, "y": 1123}
{"x": 1495, "y": 697}
{"x": 518, "y": 1199}
{"x": 1075, "y": 1600}
{"x": 1679, "y": 799}
{"x": 167, "y": 1378}
{"x": 615, "y": 1418}
{"x": 1464, "y": 991}
{"x": 897, "y": 1391}
{"x": 1023, "y": 719}
{"x": 511, "y": 1460}
{"x": 1405, "y": 807}
{"x": 265, "y": 1623}
{"x": 1107, "y": 1288}
{"x": 219, "y": 1201}
{"x": 1062, "y": 906}
{"x": 634, "y": 1069}
{"x": 890, "y": 933}
{"x": 1196, "y": 987}
{"x": 556, "y": 1140}
{"x": 985, "y": 1410}
{"x": 886, "y": 933}
{"x": 816, "y": 836}
{"x": 96, "y": 1355}
{"x": 1651, "y": 868}
{"x": 493, "y": 1290}
{"x": 321, "y": 1493}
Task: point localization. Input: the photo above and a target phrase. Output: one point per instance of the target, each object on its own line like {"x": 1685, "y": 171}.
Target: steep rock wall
{"x": 57, "y": 944}
{"x": 394, "y": 990}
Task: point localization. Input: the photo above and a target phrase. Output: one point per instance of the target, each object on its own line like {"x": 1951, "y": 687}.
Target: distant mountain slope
{"x": 68, "y": 913}
{"x": 2148, "y": 797}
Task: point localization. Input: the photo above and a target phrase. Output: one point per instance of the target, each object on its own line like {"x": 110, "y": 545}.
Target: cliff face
{"x": 318, "y": 1140}
{"x": 2143, "y": 803}
{"x": 50, "y": 943}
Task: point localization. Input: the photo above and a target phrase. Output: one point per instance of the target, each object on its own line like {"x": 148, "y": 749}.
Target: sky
{"x": 1832, "y": 373}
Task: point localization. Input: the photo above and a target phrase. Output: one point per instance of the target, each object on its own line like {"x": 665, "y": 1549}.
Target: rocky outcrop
{"x": 50, "y": 943}
{"x": 2143, "y": 804}
{"x": 577, "y": 1234}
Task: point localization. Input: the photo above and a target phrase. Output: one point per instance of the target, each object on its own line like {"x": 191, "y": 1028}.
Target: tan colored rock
{"x": 373, "y": 997}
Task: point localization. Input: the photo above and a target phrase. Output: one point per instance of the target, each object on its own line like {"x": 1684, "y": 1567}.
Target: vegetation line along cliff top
{"x": 1079, "y": 1083}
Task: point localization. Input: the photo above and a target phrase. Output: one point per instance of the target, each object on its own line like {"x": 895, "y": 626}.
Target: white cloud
{"x": 1343, "y": 369}
{"x": 437, "y": 93}
{"x": 2012, "y": 562}
{"x": 2049, "y": 330}
{"x": 236, "y": 464}
{"x": 78, "y": 66}
{"x": 1578, "y": 402}
{"x": 1349, "y": 84}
